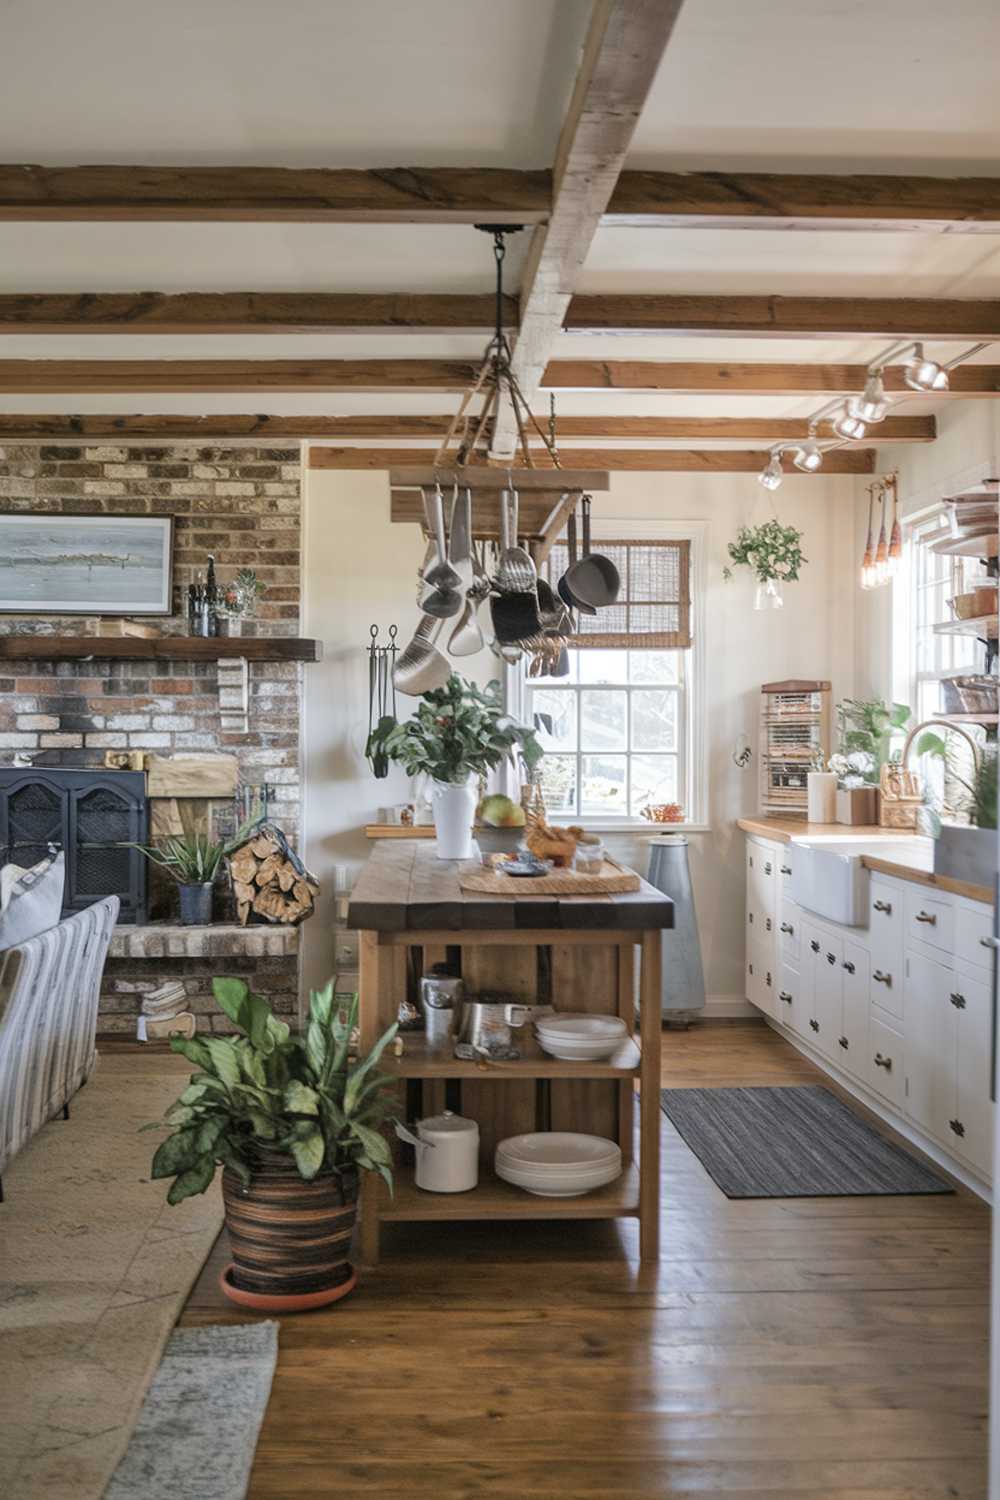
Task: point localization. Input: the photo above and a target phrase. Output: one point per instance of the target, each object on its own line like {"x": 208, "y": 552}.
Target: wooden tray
{"x": 612, "y": 880}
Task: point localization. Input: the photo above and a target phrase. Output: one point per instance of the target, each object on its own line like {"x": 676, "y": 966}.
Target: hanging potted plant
{"x": 292, "y": 1122}
{"x": 458, "y": 733}
{"x": 774, "y": 552}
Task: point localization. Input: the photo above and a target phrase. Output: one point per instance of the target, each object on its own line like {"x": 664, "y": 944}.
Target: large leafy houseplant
{"x": 866, "y": 729}
{"x": 458, "y": 731}
{"x": 267, "y": 1091}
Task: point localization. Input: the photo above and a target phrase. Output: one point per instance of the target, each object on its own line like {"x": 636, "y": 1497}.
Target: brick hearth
{"x": 243, "y": 505}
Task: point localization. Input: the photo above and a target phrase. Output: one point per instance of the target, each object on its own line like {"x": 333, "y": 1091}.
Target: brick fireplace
{"x": 243, "y": 505}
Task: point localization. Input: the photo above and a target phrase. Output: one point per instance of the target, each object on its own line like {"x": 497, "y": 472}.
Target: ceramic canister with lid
{"x": 447, "y": 1148}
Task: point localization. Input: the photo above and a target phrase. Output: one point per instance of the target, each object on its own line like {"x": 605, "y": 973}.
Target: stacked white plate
{"x": 580, "y": 1038}
{"x": 558, "y": 1163}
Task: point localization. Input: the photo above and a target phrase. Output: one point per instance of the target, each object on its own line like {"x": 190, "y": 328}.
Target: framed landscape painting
{"x": 85, "y": 565}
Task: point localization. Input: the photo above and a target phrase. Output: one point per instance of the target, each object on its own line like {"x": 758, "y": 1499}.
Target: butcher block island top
{"x": 570, "y": 953}
{"x": 405, "y": 887}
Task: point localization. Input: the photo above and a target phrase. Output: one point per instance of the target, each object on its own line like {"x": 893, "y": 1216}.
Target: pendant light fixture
{"x": 894, "y": 556}
{"x": 868, "y": 561}
{"x": 772, "y": 473}
{"x": 882, "y": 546}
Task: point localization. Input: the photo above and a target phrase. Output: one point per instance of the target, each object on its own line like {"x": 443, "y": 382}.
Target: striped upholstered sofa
{"x": 49, "y": 989}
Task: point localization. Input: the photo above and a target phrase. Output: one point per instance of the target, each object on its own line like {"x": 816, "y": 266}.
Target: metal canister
{"x": 441, "y": 997}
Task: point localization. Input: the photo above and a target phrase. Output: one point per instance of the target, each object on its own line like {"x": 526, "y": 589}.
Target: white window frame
{"x": 907, "y": 678}
{"x": 694, "y": 797}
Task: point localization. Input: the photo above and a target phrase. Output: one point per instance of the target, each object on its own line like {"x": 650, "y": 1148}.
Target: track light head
{"x": 772, "y": 473}
{"x": 871, "y": 405}
{"x": 849, "y": 426}
{"x": 922, "y": 374}
{"x": 808, "y": 456}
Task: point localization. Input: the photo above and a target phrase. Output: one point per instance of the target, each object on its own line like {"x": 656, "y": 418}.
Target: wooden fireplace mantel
{"x": 159, "y": 648}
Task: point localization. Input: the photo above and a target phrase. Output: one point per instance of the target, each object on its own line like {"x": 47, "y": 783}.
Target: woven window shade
{"x": 654, "y": 606}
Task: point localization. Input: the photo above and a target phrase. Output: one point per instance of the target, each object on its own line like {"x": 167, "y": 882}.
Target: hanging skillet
{"x": 564, "y": 587}
{"x": 594, "y": 579}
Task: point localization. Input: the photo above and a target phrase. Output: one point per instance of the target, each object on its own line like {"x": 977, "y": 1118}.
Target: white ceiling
{"x": 830, "y": 85}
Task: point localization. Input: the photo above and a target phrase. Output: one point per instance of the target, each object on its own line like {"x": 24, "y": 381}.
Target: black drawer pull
{"x": 848, "y": 966}
{"x": 927, "y": 917}
{"x": 786, "y": 928}
{"x": 813, "y": 1024}
{"x": 957, "y": 1000}
{"x": 768, "y": 868}
{"x": 751, "y": 861}
{"x": 786, "y": 869}
{"x": 883, "y": 1062}
{"x": 750, "y": 918}
{"x": 884, "y": 906}
{"x": 831, "y": 958}
{"x": 881, "y": 978}
{"x": 768, "y": 981}
{"x": 956, "y": 1126}
{"x": 843, "y": 1042}
{"x": 785, "y": 996}
{"x": 767, "y": 924}
{"x": 814, "y": 946}
{"x": 749, "y": 968}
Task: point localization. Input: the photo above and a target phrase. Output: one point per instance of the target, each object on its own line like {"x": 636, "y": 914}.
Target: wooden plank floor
{"x": 834, "y": 1349}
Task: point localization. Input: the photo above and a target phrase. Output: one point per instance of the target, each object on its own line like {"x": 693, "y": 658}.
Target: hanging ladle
{"x": 443, "y": 597}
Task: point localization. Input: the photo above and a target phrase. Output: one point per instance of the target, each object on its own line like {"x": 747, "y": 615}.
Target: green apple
{"x": 500, "y": 812}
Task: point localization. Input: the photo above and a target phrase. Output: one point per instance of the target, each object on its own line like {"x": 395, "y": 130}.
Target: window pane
{"x": 647, "y": 667}
{"x": 570, "y": 677}
{"x": 654, "y": 779}
{"x": 654, "y": 719}
{"x": 558, "y": 778}
{"x": 603, "y": 789}
{"x": 603, "y": 720}
{"x": 603, "y": 666}
{"x": 554, "y": 717}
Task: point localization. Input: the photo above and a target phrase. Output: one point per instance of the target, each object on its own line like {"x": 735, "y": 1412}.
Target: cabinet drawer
{"x": 973, "y": 929}
{"x": 884, "y": 1071}
{"x": 928, "y": 918}
{"x": 761, "y": 980}
{"x": 789, "y": 936}
{"x": 853, "y": 1041}
{"x": 762, "y": 880}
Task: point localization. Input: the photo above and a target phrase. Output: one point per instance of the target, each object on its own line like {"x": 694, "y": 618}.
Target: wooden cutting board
{"x": 613, "y": 879}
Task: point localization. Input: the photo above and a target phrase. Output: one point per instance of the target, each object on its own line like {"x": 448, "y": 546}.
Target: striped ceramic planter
{"x": 289, "y": 1237}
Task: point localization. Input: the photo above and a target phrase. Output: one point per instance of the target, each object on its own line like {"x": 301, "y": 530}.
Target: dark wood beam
{"x": 623, "y": 460}
{"x": 261, "y": 427}
{"x": 419, "y": 312}
{"x": 249, "y": 312}
{"x": 470, "y": 195}
{"x": 153, "y": 376}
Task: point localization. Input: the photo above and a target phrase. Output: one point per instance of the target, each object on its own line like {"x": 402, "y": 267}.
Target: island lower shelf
{"x": 494, "y": 1198}
{"x": 421, "y": 1061}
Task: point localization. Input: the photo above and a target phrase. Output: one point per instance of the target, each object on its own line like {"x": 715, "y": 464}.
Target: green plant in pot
{"x": 966, "y": 845}
{"x": 193, "y": 859}
{"x": 458, "y": 734}
{"x": 293, "y": 1122}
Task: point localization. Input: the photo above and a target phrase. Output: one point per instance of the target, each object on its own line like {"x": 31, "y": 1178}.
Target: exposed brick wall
{"x": 243, "y": 505}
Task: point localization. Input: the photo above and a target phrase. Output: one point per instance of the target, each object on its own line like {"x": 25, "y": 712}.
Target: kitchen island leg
{"x": 649, "y": 1098}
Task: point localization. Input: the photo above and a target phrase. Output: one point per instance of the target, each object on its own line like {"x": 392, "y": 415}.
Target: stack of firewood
{"x": 270, "y": 881}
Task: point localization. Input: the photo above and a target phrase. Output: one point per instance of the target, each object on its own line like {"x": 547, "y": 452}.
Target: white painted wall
{"x": 359, "y": 570}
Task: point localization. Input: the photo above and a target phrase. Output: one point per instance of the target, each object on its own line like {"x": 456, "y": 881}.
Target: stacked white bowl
{"x": 580, "y": 1038}
{"x": 558, "y": 1163}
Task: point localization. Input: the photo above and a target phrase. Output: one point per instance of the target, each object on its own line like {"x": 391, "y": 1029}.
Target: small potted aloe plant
{"x": 193, "y": 859}
{"x": 293, "y": 1122}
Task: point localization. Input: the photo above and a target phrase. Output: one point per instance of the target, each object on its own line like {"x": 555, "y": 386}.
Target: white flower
{"x": 861, "y": 760}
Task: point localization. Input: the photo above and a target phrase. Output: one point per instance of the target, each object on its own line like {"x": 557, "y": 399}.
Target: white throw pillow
{"x": 33, "y": 901}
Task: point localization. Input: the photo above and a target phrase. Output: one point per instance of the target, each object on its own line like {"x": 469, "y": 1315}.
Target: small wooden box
{"x": 857, "y": 805}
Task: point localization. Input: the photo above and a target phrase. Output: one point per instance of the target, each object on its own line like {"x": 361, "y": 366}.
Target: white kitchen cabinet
{"x": 902, "y": 1005}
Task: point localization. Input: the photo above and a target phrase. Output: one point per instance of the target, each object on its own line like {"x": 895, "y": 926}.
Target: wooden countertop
{"x": 784, "y": 830}
{"x": 927, "y": 877}
{"x": 405, "y": 887}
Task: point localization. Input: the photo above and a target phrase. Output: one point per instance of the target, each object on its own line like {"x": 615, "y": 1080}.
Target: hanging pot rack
{"x": 463, "y": 457}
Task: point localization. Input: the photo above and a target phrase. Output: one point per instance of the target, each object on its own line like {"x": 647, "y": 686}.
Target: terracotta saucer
{"x": 295, "y": 1302}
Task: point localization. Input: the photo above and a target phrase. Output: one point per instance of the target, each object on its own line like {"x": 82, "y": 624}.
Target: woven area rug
{"x": 198, "y": 1428}
{"x": 798, "y": 1142}
{"x": 94, "y": 1269}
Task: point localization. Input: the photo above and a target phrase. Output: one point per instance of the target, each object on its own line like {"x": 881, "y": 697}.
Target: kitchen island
{"x": 574, "y": 953}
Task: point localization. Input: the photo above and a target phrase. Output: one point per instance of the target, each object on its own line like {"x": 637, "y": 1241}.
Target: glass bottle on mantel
{"x": 769, "y": 594}
{"x": 211, "y": 598}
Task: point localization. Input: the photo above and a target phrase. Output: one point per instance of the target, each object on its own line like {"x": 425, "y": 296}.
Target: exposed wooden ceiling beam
{"x": 154, "y": 376}
{"x": 647, "y": 460}
{"x": 471, "y": 195}
{"x": 621, "y": 54}
{"x": 262, "y": 427}
{"x": 419, "y": 312}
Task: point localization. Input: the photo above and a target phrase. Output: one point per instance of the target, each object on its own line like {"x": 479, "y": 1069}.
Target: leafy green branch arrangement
{"x": 866, "y": 728}
{"x": 268, "y": 1089}
{"x": 771, "y": 550}
{"x": 458, "y": 731}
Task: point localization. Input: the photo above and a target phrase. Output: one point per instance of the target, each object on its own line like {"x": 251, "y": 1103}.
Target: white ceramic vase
{"x": 454, "y": 810}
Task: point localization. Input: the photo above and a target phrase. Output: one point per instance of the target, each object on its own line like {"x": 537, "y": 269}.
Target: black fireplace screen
{"x": 94, "y": 816}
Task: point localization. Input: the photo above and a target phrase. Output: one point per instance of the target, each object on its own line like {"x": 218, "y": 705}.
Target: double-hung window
{"x": 621, "y": 730}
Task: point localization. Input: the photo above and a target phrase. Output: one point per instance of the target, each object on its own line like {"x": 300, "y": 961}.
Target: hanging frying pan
{"x": 564, "y": 587}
